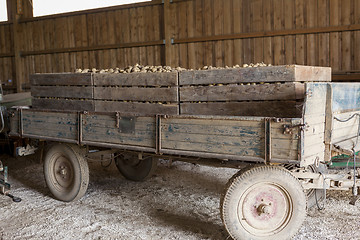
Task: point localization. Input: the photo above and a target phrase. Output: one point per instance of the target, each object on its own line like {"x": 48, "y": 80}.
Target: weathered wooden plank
{"x": 240, "y": 142}
{"x": 285, "y": 154}
{"x": 346, "y": 57}
{"x": 311, "y": 22}
{"x": 137, "y": 79}
{"x": 289, "y": 73}
{"x": 237, "y": 22}
{"x": 287, "y": 91}
{"x": 136, "y": 108}
{"x": 62, "y": 91}
{"x": 289, "y": 8}
{"x": 257, "y": 26}
{"x": 300, "y": 39}
{"x": 57, "y": 117}
{"x": 63, "y": 104}
{"x": 137, "y": 94}
{"x": 212, "y": 148}
{"x": 264, "y": 108}
{"x": 278, "y": 42}
{"x": 63, "y": 132}
{"x": 268, "y": 46}
{"x": 73, "y": 79}
{"x": 145, "y": 139}
{"x": 334, "y": 44}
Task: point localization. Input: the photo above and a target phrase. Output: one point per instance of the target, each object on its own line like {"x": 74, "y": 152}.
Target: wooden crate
{"x": 139, "y": 93}
{"x": 62, "y": 91}
{"x": 276, "y": 91}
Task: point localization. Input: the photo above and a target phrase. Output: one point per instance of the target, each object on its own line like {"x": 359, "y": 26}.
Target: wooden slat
{"x": 213, "y": 148}
{"x": 300, "y": 39}
{"x": 289, "y": 8}
{"x": 136, "y": 108}
{"x": 267, "y": 13}
{"x": 311, "y": 12}
{"x": 346, "y": 36}
{"x": 136, "y": 79}
{"x": 278, "y": 42}
{"x": 62, "y": 104}
{"x": 268, "y": 109}
{"x": 288, "y": 91}
{"x": 334, "y": 44}
{"x": 323, "y": 39}
{"x": 62, "y": 91}
{"x": 238, "y": 48}
{"x": 261, "y": 74}
{"x": 257, "y": 26}
{"x": 62, "y": 79}
{"x": 137, "y": 94}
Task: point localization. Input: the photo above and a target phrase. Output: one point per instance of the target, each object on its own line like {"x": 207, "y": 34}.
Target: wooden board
{"x": 63, "y": 79}
{"x": 261, "y": 108}
{"x": 63, "y": 104}
{"x": 232, "y": 92}
{"x": 167, "y": 94}
{"x": 103, "y": 129}
{"x": 62, "y": 91}
{"x": 288, "y": 73}
{"x": 136, "y": 107}
{"x": 137, "y": 79}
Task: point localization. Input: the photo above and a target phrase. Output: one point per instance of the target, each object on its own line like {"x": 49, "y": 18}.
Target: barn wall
{"x": 197, "y": 33}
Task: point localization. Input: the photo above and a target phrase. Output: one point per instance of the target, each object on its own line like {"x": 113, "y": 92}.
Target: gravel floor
{"x": 179, "y": 202}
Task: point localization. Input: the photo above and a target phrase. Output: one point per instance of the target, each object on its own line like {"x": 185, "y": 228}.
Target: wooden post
{"x": 18, "y": 9}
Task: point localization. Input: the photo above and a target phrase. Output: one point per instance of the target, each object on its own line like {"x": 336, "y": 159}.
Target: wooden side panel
{"x": 137, "y": 79}
{"x": 50, "y": 124}
{"x": 243, "y": 138}
{"x": 103, "y": 129}
{"x": 62, "y": 91}
{"x": 289, "y": 73}
{"x": 287, "y": 109}
{"x": 313, "y": 147}
{"x": 72, "y": 79}
{"x": 137, "y": 94}
{"x": 233, "y": 92}
{"x": 63, "y": 104}
{"x": 138, "y": 108}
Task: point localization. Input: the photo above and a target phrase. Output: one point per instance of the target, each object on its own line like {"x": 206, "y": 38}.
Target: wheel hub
{"x": 63, "y": 172}
{"x": 264, "y": 209}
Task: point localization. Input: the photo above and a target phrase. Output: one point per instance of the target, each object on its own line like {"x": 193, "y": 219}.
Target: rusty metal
{"x": 267, "y": 122}
{"x": 80, "y": 128}
{"x": 120, "y": 146}
{"x": 158, "y": 134}
{"x": 212, "y": 155}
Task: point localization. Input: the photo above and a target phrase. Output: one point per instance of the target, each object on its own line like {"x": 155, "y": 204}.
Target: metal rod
{"x": 212, "y": 155}
{"x": 120, "y": 146}
{"x": 80, "y": 125}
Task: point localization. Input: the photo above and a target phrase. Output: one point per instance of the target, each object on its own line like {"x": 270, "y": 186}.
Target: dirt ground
{"x": 179, "y": 202}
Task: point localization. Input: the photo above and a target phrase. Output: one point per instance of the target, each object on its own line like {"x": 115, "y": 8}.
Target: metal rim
{"x": 62, "y": 173}
{"x": 265, "y": 209}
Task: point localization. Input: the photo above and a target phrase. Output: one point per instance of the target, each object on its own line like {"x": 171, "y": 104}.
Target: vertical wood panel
{"x": 311, "y": 22}
{"x": 208, "y": 13}
{"x": 219, "y": 30}
{"x": 258, "y": 26}
{"x": 357, "y": 35}
{"x": 247, "y": 43}
{"x": 323, "y": 39}
{"x": 238, "y": 43}
{"x": 268, "y": 46}
{"x": 300, "y": 39}
{"x": 199, "y": 47}
{"x": 278, "y": 43}
{"x": 345, "y": 36}
{"x": 289, "y": 24}
{"x": 334, "y": 41}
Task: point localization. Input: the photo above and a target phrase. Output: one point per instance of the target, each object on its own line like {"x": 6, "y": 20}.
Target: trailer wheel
{"x": 66, "y": 172}
{"x": 135, "y": 169}
{"x": 265, "y": 202}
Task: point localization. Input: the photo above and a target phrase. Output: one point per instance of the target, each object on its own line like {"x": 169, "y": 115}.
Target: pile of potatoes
{"x": 144, "y": 69}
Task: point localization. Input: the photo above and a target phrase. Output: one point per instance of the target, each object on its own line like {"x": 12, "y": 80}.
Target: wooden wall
{"x": 187, "y": 33}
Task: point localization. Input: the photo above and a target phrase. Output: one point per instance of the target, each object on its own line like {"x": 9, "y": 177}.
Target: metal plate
{"x": 127, "y": 125}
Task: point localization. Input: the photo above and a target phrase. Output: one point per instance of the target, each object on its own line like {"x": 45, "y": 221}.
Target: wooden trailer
{"x": 280, "y": 125}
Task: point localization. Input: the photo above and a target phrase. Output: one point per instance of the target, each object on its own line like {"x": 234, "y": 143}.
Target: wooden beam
{"x": 342, "y": 28}
{"x": 93, "y": 48}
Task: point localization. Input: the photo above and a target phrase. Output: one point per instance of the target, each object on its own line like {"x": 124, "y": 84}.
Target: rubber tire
{"x": 139, "y": 170}
{"x": 238, "y": 189}
{"x": 314, "y": 195}
{"x": 78, "y": 167}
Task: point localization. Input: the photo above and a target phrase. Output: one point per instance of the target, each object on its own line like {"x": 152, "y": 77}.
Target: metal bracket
{"x": 288, "y": 129}
{"x": 267, "y": 140}
{"x": 125, "y": 124}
